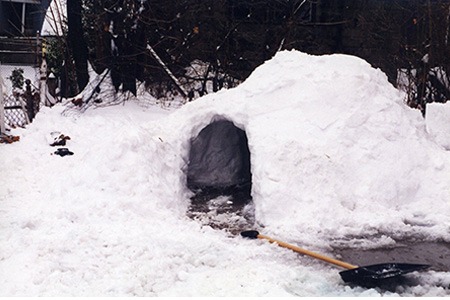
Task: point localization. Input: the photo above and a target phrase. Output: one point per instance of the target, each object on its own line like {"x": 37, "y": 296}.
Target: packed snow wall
{"x": 219, "y": 157}
{"x": 438, "y": 123}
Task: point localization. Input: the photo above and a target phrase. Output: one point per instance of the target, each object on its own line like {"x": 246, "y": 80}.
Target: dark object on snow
{"x": 8, "y": 139}
{"x": 60, "y": 141}
{"x": 369, "y": 275}
{"x": 78, "y": 102}
{"x": 63, "y": 152}
{"x": 366, "y": 276}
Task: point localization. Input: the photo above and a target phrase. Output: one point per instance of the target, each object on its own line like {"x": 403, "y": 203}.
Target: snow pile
{"x": 336, "y": 158}
{"x": 438, "y": 122}
{"x": 100, "y": 92}
{"x": 335, "y": 153}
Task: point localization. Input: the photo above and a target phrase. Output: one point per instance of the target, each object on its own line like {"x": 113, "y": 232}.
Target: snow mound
{"x": 335, "y": 153}
{"x": 438, "y": 122}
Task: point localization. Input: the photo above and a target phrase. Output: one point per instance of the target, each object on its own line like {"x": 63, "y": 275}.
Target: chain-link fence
{"x": 22, "y": 104}
{"x": 21, "y": 108}
{"x": 15, "y": 111}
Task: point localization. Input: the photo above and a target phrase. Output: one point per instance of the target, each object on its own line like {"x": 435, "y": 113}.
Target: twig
{"x": 174, "y": 79}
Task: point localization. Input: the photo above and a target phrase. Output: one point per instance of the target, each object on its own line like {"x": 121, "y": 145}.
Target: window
{"x": 18, "y": 18}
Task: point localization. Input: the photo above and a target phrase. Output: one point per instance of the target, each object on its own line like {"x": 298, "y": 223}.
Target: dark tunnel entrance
{"x": 219, "y": 174}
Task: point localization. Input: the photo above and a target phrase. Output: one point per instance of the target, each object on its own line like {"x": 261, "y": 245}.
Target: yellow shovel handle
{"x": 309, "y": 253}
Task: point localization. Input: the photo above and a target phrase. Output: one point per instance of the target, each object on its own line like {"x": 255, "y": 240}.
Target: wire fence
{"x": 20, "y": 106}
{"x": 15, "y": 111}
{"x": 21, "y": 70}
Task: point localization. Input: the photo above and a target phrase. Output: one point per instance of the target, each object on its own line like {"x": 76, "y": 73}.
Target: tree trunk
{"x": 76, "y": 42}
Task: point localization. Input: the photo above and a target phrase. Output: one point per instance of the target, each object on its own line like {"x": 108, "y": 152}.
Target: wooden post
{"x": 22, "y": 29}
{"x": 29, "y": 100}
{"x": 43, "y": 82}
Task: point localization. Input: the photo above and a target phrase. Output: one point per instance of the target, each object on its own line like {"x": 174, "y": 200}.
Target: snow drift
{"x": 438, "y": 123}
{"x": 332, "y": 146}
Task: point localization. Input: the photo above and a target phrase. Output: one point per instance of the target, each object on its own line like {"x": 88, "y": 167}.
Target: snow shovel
{"x": 366, "y": 275}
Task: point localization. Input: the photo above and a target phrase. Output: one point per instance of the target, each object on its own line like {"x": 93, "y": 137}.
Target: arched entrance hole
{"x": 219, "y": 172}
{"x": 219, "y": 157}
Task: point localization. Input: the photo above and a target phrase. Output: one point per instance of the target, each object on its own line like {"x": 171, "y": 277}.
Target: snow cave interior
{"x": 219, "y": 165}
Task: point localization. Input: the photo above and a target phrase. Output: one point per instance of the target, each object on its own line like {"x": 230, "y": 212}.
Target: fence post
{"x": 29, "y": 100}
{"x": 43, "y": 82}
{"x": 2, "y": 107}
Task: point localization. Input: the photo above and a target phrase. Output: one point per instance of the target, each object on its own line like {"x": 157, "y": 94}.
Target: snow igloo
{"x": 320, "y": 141}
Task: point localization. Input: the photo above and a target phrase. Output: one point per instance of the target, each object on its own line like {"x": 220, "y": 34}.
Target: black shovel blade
{"x": 379, "y": 272}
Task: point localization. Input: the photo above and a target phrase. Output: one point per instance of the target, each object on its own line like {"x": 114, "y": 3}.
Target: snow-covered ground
{"x": 337, "y": 159}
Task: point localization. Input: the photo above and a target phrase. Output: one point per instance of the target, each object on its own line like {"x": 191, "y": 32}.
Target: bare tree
{"x": 77, "y": 47}
{"x": 202, "y": 46}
